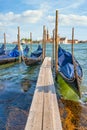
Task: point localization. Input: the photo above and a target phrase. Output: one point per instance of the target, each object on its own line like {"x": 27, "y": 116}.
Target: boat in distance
{"x": 2, "y": 49}
{"x": 34, "y": 58}
{"x": 12, "y": 55}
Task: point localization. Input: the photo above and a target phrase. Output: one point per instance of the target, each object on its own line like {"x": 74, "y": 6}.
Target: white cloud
{"x": 73, "y": 20}
{"x": 1, "y": 24}
{"x": 73, "y": 5}
{"x": 29, "y": 16}
{"x": 70, "y": 20}
{"x": 43, "y": 13}
{"x": 9, "y": 22}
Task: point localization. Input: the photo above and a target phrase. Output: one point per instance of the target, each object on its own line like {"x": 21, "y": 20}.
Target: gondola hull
{"x": 34, "y": 58}
{"x": 32, "y": 61}
{"x": 2, "y": 49}
{"x": 72, "y": 84}
{"x": 66, "y": 90}
{"x": 8, "y": 60}
{"x": 70, "y": 72}
{"x": 13, "y": 56}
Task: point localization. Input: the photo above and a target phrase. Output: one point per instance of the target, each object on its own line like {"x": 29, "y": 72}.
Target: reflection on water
{"x": 17, "y": 85}
{"x": 25, "y": 84}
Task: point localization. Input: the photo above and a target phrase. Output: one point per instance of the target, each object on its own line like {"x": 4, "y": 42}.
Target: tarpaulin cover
{"x": 36, "y": 53}
{"x": 26, "y": 50}
{"x": 2, "y": 51}
{"x": 66, "y": 65}
{"x": 15, "y": 52}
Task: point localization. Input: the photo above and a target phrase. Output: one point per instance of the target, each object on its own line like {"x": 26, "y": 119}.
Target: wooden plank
{"x": 47, "y": 63}
{"x": 51, "y": 119}
{"x": 44, "y": 111}
{"x": 54, "y": 104}
{"x": 47, "y": 116}
{"x": 34, "y": 121}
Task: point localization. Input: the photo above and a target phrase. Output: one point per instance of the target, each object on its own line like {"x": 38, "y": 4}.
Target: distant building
{"x": 70, "y": 41}
{"x": 15, "y": 42}
{"x": 23, "y": 41}
{"x": 63, "y": 40}
{"x": 83, "y": 41}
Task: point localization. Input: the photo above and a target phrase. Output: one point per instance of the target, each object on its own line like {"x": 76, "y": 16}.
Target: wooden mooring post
{"x": 75, "y": 70}
{"x": 44, "y": 42}
{"x": 19, "y": 44}
{"x": 56, "y": 43}
{"x": 4, "y": 41}
{"x": 44, "y": 111}
{"x": 72, "y": 42}
{"x": 30, "y": 41}
{"x": 53, "y": 48}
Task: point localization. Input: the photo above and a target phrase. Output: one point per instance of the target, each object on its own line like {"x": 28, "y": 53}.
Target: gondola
{"x": 69, "y": 72}
{"x": 26, "y": 51}
{"x": 12, "y": 56}
{"x": 2, "y": 50}
{"x": 34, "y": 58}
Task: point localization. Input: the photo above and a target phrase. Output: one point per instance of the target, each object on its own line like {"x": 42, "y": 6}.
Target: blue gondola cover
{"x": 2, "y": 49}
{"x": 36, "y": 53}
{"x": 15, "y": 52}
{"x": 26, "y": 50}
{"x": 66, "y": 66}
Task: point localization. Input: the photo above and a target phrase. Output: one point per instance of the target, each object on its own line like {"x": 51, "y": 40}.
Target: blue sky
{"x": 31, "y": 15}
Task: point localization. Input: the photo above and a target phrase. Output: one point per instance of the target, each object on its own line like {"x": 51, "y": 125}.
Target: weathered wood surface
{"x": 19, "y": 47}
{"x": 4, "y": 41}
{"x": 44, "y": 112}
{"x": 44, "y": 42}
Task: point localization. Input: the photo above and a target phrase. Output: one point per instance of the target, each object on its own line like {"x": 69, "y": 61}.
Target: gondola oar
{"x": 75, "y": 71}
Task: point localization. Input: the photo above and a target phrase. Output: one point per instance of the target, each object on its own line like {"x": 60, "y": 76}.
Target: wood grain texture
{"x": 44, "y": 112}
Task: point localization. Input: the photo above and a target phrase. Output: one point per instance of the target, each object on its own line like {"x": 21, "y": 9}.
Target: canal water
{"x": 17, "y": 85}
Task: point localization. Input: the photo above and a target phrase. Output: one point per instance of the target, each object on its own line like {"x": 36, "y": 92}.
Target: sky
{"x": 31, "y": 15}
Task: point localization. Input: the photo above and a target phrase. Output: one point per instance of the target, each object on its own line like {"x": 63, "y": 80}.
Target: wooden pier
{"x": 44, "y": 112}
